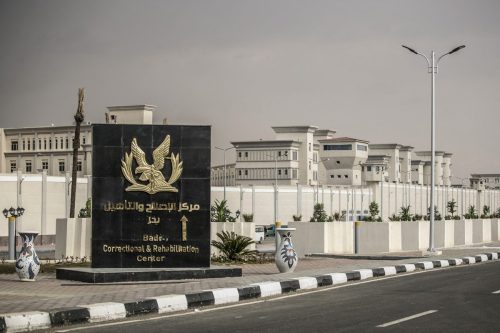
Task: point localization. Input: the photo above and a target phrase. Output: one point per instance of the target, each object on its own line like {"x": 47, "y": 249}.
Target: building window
{"x": 346, "y": 176}
{"x": 315, "y": 157}
{"x": 14, "y": 145}
{"x": 28, "y": 166}
{"x": 309, "y": 146}
{"x": 279, "y": 154}
{"x": 83, "y": 140}
{"x": 362, "y": 147}
{"x": 368, "y": 168}
{"x": 337, "y": 147}
{"x": 286, "y": 171}
{"x": 295, "y": 156}
{"x": 279, "y": 172}
{"x": 377, "y": 169}
{"x": 294, "y": 174}
{"x": 67, "y": 143}
{"x": 57, "y": 142}
{"x": 239, "y": 172}
{"x": 246, "y": 154}
{"x": 50, "y": 143}
{"x": 29, "y": 145}
{"x": 239, "y": 154}
{"x": 79, "y": 166}
{"x": 339, "y": 176}
{"x": 45, "y": 144}
{"x": 34, "y": 146}
{"x": 309, "y": 165}
{"x": 246, "y": 172}
{"x": 332, "y": 176}
{"x": 13, "y": 166}
{"x": 61, "y": 166}
{"x": 39, "y": 144}
{"x": 45, "y": 165}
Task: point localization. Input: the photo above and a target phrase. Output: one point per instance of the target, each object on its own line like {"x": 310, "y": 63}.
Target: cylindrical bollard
{"x": 357, "y": 224}
{"x": 12, "y": 237}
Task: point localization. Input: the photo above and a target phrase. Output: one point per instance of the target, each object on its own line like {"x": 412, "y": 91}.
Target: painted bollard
{"x": 27, "y": 264}
{"x": 285, "y": 258}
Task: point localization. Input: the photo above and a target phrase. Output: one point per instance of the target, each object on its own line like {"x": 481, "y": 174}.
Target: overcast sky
{"x": 244, "y": 66}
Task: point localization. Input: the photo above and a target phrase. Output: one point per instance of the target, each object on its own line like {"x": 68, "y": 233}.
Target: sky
{"x": 244, "y": 66}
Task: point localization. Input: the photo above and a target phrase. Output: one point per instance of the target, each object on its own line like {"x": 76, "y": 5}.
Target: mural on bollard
{"x": 147, "y": 212}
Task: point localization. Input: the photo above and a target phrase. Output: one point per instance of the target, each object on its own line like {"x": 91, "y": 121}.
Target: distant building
{"x": 33, "y": 149}
{"x": 482, "y": 181}
{"x": 442, "y": 171}
{"x": 292, "y": 158}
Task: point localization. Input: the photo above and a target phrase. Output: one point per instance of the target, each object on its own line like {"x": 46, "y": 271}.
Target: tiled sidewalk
{"x": 48, "y": 293}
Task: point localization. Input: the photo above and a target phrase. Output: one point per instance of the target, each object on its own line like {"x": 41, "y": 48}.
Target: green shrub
{"x": 297, "y": 218}
{"x": 86, "y": 212}
{"x": 248, "y": 217}
{"x": 319, "y": 214}
{"x": 233, "y": 246}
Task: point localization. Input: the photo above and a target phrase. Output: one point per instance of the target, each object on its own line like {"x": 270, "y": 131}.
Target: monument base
{"x": 110, "y": 275}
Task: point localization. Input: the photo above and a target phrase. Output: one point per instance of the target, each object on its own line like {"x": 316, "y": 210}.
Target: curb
{"x": 100, "y": 312}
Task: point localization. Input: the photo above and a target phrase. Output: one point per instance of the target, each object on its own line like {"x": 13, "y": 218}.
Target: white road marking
{"x": 496, "y": 292}
{"x": 408, "y": 318}
{"x": 324, "y": 289}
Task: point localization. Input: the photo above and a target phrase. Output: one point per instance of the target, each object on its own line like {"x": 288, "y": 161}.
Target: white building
{"x": 482, "y": 181}
{"x": 443, "y": 174}
{"x": 50, "y": 148}
{"x": 342, "y": 160}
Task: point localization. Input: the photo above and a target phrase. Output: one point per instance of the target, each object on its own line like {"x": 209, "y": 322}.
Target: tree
{"x": 471, "y": 213}
{"x": 79, "y": 117}
{"x": 319, "y": 214}
{"x": 373, "y": 210}
{"x": 219, "y": 212}
{"x": 452, "y": 207}
{"x": 405, "y": 213}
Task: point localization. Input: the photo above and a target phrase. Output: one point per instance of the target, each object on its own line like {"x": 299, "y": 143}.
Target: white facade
{"x": 290, "y": 159}
{"x": 33, "y": 149}
{"x": 50, "y": 148}
{"x": 443, "y": 173}
{"x": 342, "y": 160}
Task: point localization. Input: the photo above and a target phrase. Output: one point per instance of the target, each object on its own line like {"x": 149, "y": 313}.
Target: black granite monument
{"x": 150, "y": 204}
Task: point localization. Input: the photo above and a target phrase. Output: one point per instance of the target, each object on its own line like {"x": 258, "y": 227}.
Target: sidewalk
{"x": 47, "y": 293}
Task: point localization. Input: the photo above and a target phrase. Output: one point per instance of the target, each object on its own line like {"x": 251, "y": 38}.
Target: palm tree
{"x": 79, "y": 117}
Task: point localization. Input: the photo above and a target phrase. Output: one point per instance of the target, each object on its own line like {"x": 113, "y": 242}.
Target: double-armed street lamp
{"x": 12, "y": 214}
{"x": 224, "y": 150}
{"x": 433, "y": 69}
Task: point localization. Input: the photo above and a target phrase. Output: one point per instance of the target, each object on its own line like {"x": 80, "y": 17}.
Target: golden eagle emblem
{"x": 151, "y": 173}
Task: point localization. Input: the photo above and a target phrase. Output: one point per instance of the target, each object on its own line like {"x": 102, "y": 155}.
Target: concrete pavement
{"x": 48, "y": 293}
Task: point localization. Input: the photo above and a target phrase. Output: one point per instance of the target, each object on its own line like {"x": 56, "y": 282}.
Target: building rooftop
{"x": 266, "y": 143}
{"x": 295, "y": 129}
{"x": 343, "y": 139}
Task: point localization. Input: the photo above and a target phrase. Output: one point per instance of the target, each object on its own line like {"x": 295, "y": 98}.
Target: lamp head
{"x": 12, "y": 211}
{"x": 409, "y": 49}
{"x": 456, "y": 49}
{"x": 5, "y": 212}
{"x": 20, "y": 211}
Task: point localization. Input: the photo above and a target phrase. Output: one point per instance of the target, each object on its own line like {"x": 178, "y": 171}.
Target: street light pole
{"x": 432, "y": 69}
{"x": 12, "y": 214}
{"x": 224, "y": 150}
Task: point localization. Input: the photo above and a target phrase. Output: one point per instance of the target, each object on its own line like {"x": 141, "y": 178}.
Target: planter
{"x": 323, "y": 237}
{"x": 28, "y": 265}
{"x": 286, "y": 258}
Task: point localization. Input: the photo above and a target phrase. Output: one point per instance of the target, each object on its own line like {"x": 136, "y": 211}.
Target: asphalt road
{"x": 460, "y": 299}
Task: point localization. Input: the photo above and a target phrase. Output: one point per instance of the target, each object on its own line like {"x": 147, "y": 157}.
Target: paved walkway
{"x": 49, "y": 293}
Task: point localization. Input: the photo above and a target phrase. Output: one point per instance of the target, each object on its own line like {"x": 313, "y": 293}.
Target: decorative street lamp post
{"x": 433, "y": 69}
{"x": 12, "y": 214}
